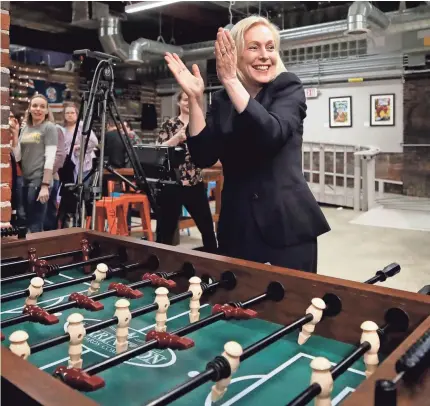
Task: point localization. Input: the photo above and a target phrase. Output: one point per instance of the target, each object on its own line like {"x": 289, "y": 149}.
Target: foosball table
{"x": 89, "y": 318}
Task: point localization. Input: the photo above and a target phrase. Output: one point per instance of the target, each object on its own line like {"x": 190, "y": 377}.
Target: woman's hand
{"x": 43, "y": 194}
{"x": 179, "y": 138}
{"x": 191, "y": 83}
{"x": 226, "y": 56}
{"x": 14, "y": 130}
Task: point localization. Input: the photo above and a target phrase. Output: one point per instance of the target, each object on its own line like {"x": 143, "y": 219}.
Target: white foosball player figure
{"x": 322, "y": 376}
{"x": 123, "y": 314}
{"x": 163, "y": 302}
{"x": 232, "y": 352}
{"x": 370, "y": 334}
{"x": 77, "y": 333}
{"x": 316, "y": 309}
{"x": 35, "y": 290}
{"x": 196, "y": 289}
{"x": 18, "y": 344}
{"x": 100, "y": 275}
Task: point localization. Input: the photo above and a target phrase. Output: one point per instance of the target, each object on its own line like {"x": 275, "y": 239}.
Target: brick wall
{"x": 6, "y": 171}
{"x": 416, "y": 159}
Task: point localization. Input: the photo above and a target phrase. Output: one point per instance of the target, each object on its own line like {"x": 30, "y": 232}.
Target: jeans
{"x": 35, "y": 212}
{"x": 51, "y": 212}
{"x": 19, "y": 201}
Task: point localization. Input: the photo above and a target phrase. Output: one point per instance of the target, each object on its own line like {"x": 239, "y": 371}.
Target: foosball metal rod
{"x": 55, "y": 269}
{"x": 213, "y": 373}
{"x": 152, "y": 344}
{"x": 70, "y": 305}
{"x": 5, "y": 261}
{"x": 45, "y": 257}
{"x": 114, "y": 320}
{"x": 315, "y": 389}
{"x": 111, "y": 272}
{"x": 382, "y": 275}
{"x": 24, "y": 293}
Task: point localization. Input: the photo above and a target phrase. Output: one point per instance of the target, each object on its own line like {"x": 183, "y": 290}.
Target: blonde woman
{"x": 36, "y": 150}
{"x": 255, "y": 128}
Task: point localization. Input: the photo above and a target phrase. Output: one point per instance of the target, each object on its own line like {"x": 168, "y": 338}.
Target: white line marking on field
{"x": 342, "y": 395}
{"x": 59, "y": 361}
{"x": 69, "y": 277}
{"x": 264, "y": 378}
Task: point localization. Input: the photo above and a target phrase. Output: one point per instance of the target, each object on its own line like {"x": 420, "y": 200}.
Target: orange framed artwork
{"x": 382, "y": 110}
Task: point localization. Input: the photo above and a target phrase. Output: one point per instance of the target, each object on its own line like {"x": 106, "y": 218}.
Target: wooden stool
{"x": 111, "y": 209}
{"x": 139, "y": 199}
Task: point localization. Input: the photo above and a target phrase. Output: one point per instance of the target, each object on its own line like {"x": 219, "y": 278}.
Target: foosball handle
{"x": 385, "y": 393}
{"x": 78, "y": 379}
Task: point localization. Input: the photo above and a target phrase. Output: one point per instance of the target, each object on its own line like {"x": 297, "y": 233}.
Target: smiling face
{"x": 259, "y": 57}
{"x": 38, "y": 110}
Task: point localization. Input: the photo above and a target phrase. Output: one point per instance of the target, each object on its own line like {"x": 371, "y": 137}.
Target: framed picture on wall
{"x": 382, "y": 110}
{"x": 340, "y": 111}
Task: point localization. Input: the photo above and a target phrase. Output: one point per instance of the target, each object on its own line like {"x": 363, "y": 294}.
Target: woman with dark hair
{"x": 35, "y": 147}
{"x": 191, "y": 193}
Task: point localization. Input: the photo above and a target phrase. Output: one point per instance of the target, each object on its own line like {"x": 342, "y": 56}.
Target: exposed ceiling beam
{"x": 36, "y": 20}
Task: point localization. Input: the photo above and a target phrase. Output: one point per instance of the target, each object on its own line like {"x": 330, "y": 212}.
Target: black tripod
{"x": 77, "y": 197}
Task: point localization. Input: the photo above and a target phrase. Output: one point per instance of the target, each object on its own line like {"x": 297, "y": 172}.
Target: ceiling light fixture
{"x": 146, "y": 5}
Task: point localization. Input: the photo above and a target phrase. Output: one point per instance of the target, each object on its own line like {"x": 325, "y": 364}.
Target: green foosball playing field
{"x": 273, "y": 376}
{"x": 172, "y": 326}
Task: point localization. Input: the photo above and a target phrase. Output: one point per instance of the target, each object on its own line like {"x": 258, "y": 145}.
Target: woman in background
{"x": 191, "y": 193}
{"x": 70, "y": 121}
{"x": 36, "y": 149}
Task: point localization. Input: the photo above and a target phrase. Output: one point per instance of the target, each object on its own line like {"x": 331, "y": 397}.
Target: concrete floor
{"x": 355, "y": 251}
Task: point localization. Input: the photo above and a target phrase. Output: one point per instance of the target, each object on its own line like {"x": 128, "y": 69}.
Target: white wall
{"x": 388, "y": 139}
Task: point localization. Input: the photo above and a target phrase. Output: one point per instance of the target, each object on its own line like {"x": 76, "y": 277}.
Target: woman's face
{"x": 38, "y": 109}
{"x": 183, "y": 104}
{"x": 259, "y": 57}
{"x": 70, "y": 115}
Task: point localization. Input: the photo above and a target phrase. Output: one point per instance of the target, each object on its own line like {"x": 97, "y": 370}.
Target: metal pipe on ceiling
{"x": 361, "y": 14}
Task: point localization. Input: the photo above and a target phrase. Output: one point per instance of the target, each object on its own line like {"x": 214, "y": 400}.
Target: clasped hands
{"x": 192, "y": 82}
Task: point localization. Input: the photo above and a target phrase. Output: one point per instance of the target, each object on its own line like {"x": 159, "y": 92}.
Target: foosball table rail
{"x": 359, "y": 302}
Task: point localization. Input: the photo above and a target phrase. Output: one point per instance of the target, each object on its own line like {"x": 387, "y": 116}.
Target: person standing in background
{"x": 51, "y": 212}
{"x": 36, "y": 148}
{"x": 191, "y": 193}
{"x": 70, "y": 122}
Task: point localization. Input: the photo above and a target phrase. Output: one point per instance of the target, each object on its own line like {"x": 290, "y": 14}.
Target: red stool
{"x": 111, "y": 209}
{"x": 140, "y": 200}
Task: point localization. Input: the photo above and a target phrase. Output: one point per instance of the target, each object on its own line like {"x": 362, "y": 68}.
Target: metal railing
{"x": 341, "y": 174}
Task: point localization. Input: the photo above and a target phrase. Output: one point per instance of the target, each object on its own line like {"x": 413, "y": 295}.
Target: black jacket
{"x": 261, "y": 153}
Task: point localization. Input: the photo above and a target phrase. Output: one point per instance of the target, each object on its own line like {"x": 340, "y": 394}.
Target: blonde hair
{"x": 28, "y": 119}
{"x": 238, "y": 35}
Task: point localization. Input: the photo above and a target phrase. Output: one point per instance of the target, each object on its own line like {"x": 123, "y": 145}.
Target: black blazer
{"x": 261, "y": 153}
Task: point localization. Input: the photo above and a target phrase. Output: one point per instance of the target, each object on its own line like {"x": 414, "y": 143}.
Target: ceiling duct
{"x": 144, "y": 50}
{"x": 361, "y": 14}
{"x": 140, "y": 51}
{"x": 395, "y": 22}
{"x": 111, "y": 38}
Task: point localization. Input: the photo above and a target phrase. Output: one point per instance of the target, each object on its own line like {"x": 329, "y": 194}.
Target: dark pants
{"x": 195, "y": 200}
{"x": 51, "y": 212}
{"x": 18, "y": 200}
{"x": 35, "y": 211}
